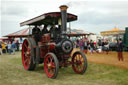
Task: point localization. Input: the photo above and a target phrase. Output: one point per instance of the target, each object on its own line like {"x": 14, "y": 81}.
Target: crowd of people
{"x": 85, "y": 45}
{"x": 101, "y": 46}
{"x": 9, "y": 47}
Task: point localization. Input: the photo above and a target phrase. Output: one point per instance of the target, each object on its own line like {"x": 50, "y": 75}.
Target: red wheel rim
{"x": 26, "y": 54}
{"x": 49, "y": 65}
{"x": 78, "y": 63}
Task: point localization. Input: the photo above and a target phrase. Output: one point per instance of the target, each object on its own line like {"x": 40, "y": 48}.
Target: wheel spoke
{"x": 54, "y": 70}
{"x": 24, "y": 54}
{"x": 25, "y": 46}
{"x": 53, "y": 66}
{"x": 47, "y": 61}
{"x": 82, "y": 60}
{"x": 26, "y": 61}
{"x": 81, "y": 66}
{"x": 51, "y": 72}
{"x": 27, "y": 57}
{"x": 75, "y": 60}
{"x": 79, "y": 58}
{"x": 51, "y": 60}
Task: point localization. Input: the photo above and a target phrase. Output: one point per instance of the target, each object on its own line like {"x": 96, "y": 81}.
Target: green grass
{"x": 13, "y": 73}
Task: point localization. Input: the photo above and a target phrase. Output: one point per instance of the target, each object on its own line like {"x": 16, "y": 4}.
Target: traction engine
{"x": 53, "y": 48}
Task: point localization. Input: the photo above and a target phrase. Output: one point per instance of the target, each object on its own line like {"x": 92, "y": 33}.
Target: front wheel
{"x": 79, "y": 62}
{"x": 51, "y": 65}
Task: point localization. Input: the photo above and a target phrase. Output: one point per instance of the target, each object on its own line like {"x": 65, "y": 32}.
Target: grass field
{"x": 13, "y": 73}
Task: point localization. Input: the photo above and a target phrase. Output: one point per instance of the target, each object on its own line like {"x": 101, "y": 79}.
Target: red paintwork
{"x": 46, "y": 45}
{"x": 51, "y": 46}
{"x": 26, "y": 54}
{"x": 43, "y": 51}
{"x": 49, "y": 66}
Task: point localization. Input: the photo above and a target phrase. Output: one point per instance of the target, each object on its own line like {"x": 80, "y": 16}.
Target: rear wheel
{"x": 27, "y": 55}
{"x": 79, "y": 62}
{"x": 51, "y": 65}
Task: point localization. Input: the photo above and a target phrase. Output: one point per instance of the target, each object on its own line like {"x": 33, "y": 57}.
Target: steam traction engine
{"x": 52, "y": 48}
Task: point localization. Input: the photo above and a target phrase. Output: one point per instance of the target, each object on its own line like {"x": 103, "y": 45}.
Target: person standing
{"x": 81, "y": 45}
{"x": 100, "y": 46}
{"x": 85, "y": 46}
{"x": 9, "y": 48}
{"x": 103, "y": 48}
{"x": 6, "y": 46}
{"x": 120, "y": 50}
{"x": 13, "y": 47}
{"x": 91, "y": 46}
{"x": 1, "y": 49}
{"x": 17, "y": 45}
{"x": 77, "y": 43}
{"x": 106, "y": 47}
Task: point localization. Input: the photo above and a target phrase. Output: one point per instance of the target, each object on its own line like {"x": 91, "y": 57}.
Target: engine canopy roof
{"x": 50, "y": 18}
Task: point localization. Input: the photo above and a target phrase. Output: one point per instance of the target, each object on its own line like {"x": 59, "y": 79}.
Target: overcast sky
{"x": 93, "y": 16}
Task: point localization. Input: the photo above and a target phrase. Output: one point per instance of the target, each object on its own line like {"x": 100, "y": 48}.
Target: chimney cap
{"x": 63, "y": 7}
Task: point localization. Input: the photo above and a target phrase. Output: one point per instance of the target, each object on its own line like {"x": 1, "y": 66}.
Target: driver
{"x": 36, "y": 33}
{"x": 45, "y": 30}
{"x": 53, "y": 32}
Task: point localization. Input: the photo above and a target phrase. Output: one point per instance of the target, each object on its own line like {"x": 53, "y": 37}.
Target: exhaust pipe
{"x": 63, "y": 9}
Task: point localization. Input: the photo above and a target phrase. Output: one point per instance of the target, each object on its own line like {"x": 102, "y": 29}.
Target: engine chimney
{"x": 63, "y": 9}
